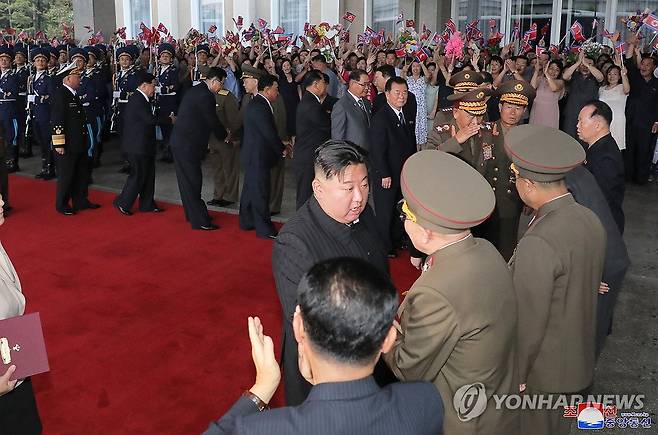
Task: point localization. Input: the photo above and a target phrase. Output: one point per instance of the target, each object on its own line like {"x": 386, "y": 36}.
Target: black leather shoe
{"x": 49, "y": 176}
{"x": 268, "y": 237}
{"x": 90, "y": 206}
{"x": 219, "y": 203}
{"x": 123, "y": 211}
{"x": 156, "y": 210}
{"x": 40, "y": 175}
{"x": 275, "y": 213}
{"x": 125, "y": 169}
{"x": 66, "y": 212}
{"x": 209, "y": 227}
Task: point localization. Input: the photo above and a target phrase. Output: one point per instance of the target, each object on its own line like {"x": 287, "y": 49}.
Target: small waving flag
{"x": 577, "y": 32}
{"x": 349, "y": 16}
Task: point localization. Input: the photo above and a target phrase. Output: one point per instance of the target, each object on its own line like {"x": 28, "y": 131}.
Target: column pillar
{"x": 98, "y": 14}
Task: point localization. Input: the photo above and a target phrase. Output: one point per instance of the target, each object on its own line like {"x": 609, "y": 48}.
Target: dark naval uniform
{"x": 8, "y": 98}
{"x": 167, "y": 96}
{"x": 557, "y": 268}
{"x": 225, "y": 154}
{"x": 22, "y": 74}
{"x": 125, "y": 85}
{"x": 70, "y": 133}
{"x": 43, "y": 91}
{"x": 458, "y": 322}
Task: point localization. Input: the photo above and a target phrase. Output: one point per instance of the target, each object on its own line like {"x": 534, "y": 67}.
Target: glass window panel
{"x": 140, "y": 12}
{"x": 211, "y": 12}
{"x": 484, "y": 10}
{"x": 292, "y": 15}
{"x": 384, "y": 15}
{"x": 526, "y": 12}
{"x": 585, "y": 12}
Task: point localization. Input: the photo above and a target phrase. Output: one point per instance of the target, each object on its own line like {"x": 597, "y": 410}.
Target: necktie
{"x": 401, "y": 116}
{"x": 363, "y": 108}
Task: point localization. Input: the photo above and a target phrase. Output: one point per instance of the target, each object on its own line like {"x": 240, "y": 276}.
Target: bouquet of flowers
{"x": 592, "y": 49}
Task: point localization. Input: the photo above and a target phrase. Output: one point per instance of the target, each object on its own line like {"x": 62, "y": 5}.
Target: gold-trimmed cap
{"x": 465, "y": 81}
{"x": 473, "y": 102}
{"x": 541, "y": 153}
{"x": 517, "y": 92}
{"x": 443, "y": 193}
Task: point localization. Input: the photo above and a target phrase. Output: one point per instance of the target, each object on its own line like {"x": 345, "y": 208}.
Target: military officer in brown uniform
{"x": 557, "y": 268}
{"x": 458, "y": 321}
{"x": 463, "y": 81}
{"x": 225, "y": 154}
{"x": 465, "y": 135}
{"x": 501, "y": 228}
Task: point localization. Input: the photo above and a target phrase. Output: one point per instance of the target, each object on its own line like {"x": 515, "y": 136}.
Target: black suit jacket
{"x": 605, "y": 162}
{"x": 139, "y": 126}
{"x": 355, "y": 407}
{"x": 68, "y": 122}
{"x": 392, "y": 144}
{"x": 261, "y": 146}
{"x": 196, "y": 120}
{"x": 410, "y": 109}
{"x": 313, "y": 129}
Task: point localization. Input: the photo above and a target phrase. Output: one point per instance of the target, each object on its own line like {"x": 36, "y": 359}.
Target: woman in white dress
{"x": 614, "y": 92}
{"x": 432, "y": 95}
{"x": 417, "y": 83}
{"x": 18, "y": 410}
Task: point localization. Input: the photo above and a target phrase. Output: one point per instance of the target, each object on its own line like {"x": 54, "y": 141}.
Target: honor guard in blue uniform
{"x": 166, "y": 93}
{"x": 125, "y": 82}
{"x": 22, "y": 72}
{"x": 8, "y": 95}
{"x": 53, "y": 64}
{"x": 95, "y": 75}
{"x": 87, "y": 94}
{"x": 40, "y": 97}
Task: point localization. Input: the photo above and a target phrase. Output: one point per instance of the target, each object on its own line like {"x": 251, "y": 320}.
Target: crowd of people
{"x": 500, "y": 172}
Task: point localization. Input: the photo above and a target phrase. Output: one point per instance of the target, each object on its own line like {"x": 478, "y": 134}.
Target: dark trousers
{"x": 604, "y": 310}
{"x": 140, "y": 182}
{"x": 639, "y": 151}
{"x": 190, "y": 181}
{"x": 388, "y": 222}
{"x": 255, "y": 200}
{"x": 18, "y": 411}
{"x": 72, "y": 177}
{"x": 43, "y": 134}
{"x": 4, "y": 181}
{"x": 501, "y": 232}
{"x": 10, "y": 129}
{"x": 21, "y": 115}
{"x": 296, "y": 388}
{"x": 304, "y": 175}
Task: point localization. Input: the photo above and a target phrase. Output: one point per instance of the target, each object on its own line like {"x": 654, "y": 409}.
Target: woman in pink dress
{"x": 550, "y": 88}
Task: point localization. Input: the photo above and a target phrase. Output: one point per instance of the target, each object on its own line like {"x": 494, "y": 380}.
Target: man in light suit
{"x": 338, "y": 359}
{"x": 350, "y": 117}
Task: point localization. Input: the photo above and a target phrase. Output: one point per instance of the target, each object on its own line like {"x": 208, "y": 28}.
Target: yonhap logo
{"x": 470, "y": 401}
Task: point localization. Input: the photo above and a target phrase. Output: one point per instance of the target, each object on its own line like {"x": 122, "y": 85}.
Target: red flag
{"x": 422, "y": 55}
{"x": 492, "y": 23}
{"x": 370, "y": 31}
{"x": 620, "y": 48}
{"x": 163, "y": 29}
{"x": 410, "y": 24}
{"x": 349, "y": 16}
{"x": 40, "y": 35}
{"x": 10, "y": 31}
{"x": 577, "y": 32}
{"x": 121, "y": 32}
{"x": 212, "y": 29}
{"x": 532, "y": 33}
{"x": 553, "y": 49}
{"x": 142, "y": 27}
{"x": 651, "y": 21}
{"x": 239, "y": 22}
{"x": 400, "y": 52}
{"x": 451, "y": 26}
{"x": 426, "y": 33}
{"x": 23, "y": 35}
{"x": 262, "y": 24}
{"x": 279, "y": 30}
{"x": 545, "y": 29}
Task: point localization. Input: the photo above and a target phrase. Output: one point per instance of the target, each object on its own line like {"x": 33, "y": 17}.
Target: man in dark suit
{"x": 196, "y": 120}
{"x": 582, "y": 185}
{"x": 350, "y": 117}
{"x": 382, "y": 74}
{"x": 313, "y": 129}
{"x": 604, "y": 159}
{"x": 139, "y": 146}
{"x": 393, "y": 141}
{"x": 71, "y": 143}
{"x": 335, "y": 222}
{"x": 261, "y": 150}
{"x": 338, "y": 359}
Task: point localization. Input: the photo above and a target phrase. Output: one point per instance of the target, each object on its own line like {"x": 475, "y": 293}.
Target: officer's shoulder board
{"x": 442, "y": 127}
{"x": 223, "y": 92}
{"x": 58, "y": 135}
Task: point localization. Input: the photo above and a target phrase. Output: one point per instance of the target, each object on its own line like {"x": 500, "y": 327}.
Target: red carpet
{"x": 144, "y": 319}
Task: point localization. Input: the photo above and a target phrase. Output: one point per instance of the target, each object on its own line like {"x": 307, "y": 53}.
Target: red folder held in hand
{"x": 22, "y": 345}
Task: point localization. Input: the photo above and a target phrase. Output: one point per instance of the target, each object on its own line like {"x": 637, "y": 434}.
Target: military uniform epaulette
{"x": 443, "y": 127}
{"x": 58, "y": 138}
{"x": 223, "y": 92}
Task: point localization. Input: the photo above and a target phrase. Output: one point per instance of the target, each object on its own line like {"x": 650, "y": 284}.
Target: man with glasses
{"x": 557, "y": 268}
{"x": 196, "y": 120}
{"x": 457, "y": 323}
{"x": 350, "y": 118}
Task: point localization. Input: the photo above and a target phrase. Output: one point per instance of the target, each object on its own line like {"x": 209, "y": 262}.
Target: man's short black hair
{"x": 391, "y": 52}
{"x": 318, "y": 58}
{"x": 386, "y": 71}
{"x": 266, "y": 80}
{"x": 398, "y": 80}
{"x": 355, "y": 75}
{"x": 145, "y": 49}
{"x": 347, "y": 308}
{"x": 215, "y": 73}
{"x": 521, "y": 56}
{"x": 601, "y": 109}
{"x": 650, "y": 57}
{"x": 311, "y": 77}
{"x": 144, "y": 77}
{"x": 334, "y": 156}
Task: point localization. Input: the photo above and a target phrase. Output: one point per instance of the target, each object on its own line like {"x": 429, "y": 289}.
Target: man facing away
{"x": 342, "y": 324}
